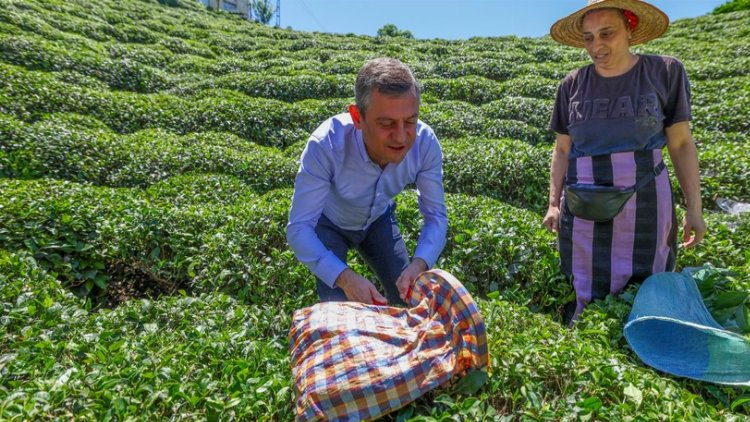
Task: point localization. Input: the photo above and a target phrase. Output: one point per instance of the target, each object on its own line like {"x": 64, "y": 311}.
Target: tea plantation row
{"x": 78, "y": 147}
{"x": 208, "y": 355}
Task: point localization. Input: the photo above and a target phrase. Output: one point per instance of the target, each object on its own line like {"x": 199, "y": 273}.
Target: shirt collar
{"x": 361, "y": 146}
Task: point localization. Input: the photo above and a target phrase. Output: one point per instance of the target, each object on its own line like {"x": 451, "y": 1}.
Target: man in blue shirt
{"x": 353, "y": 166}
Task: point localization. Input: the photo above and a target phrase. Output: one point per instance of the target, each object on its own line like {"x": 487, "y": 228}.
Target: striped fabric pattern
{"x": 604, "y": 257}
{"x": 352, "y": 361}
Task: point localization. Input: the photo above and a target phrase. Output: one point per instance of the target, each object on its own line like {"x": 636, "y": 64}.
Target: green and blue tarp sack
{"x": 670, "y": 329}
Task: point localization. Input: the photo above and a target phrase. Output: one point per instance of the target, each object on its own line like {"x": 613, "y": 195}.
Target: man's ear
{"x": 356, "y": 117}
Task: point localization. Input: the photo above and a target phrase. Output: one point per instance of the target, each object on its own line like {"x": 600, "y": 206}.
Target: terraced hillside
{"x": 147, "y": 156}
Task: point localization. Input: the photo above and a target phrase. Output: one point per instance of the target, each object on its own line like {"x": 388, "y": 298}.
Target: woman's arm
{"x": 684, "y": 155}
{"x": 558, "y": 168}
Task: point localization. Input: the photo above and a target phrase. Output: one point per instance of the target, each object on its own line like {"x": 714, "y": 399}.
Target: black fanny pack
{"x": 603, "y": 203}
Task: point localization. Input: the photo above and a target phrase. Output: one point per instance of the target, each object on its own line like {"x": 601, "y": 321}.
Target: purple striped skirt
{"x": 602, "y": 258}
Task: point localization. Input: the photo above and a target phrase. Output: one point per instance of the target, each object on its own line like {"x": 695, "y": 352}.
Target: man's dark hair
{"x": 389, "y": 76}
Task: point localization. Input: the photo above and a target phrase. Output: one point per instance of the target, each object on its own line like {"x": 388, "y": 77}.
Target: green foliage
{"x": 533, "y": 111}
{"x": 232, "y": 239}
{"x": 724, "y": 116}
{"x": 725, "y": 170}
{"x": 123, "y": 74}
{"x": 267, "y": 122}
{"x": 492, "y": 246}
{"x": 544, "y": 371}
{"x": 262, "y": 10}
{"x": 453, "y": 119}
{"x": 299, "y": 86}
{"x": 726, "y": 245}
{"x": 725, "y": 298}
{"x": 471, "y": 89}
{"x": 391, "y": 30}
{"x": 202, "y": 357}
{"x": 733, "y": 6}
{"x": 79, "y": 148}
{"x": 720, "y": 177}
{"x": 502, "y": 169}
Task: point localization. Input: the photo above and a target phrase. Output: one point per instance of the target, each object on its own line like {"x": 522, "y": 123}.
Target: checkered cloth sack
{"x": 352, "y": 361}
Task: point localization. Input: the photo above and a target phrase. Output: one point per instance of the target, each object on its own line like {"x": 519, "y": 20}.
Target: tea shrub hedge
{"x": 210, "y": 356}
{"x": 80, "y": 148}
{"x": 205, "y": 356}
{"x": 289, "y": 88}
{"x": 547, "y": 372}
{"x": 502, "y": 169}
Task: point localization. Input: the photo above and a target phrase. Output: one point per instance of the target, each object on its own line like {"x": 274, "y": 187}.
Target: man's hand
{"x": 359, "y": 289}
{"x": 552, "y": 219}
{"x": 693, "y": 229}
{"x": 407, "y": 277}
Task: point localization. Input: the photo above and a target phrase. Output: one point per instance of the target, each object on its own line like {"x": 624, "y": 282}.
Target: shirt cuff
{"x": 424, "y": 256}
{"x": 329, "y": 267}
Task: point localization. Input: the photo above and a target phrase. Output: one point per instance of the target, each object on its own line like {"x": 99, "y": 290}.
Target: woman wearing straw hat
{"x": 610, "y": 196}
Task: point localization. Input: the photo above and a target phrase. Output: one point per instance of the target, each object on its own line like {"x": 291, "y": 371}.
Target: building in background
{"x": 240, "y": 7}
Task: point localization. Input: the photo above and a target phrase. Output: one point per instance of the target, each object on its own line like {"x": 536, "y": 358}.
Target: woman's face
{"x": 607, "y": 39}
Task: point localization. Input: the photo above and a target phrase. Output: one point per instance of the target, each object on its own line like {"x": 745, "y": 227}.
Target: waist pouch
{"x": 602, "y": 203}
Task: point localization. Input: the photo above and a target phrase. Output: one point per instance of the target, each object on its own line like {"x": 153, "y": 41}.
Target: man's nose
{"x": 401, "y": 134}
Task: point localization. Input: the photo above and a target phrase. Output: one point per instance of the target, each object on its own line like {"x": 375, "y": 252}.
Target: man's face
{"x": 389, "y": 126}
{"x": 606, "y": 38}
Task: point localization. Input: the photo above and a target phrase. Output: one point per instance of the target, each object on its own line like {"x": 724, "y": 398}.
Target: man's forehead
{"x": 397, "y": 106}
{"x": 386, "y": 117}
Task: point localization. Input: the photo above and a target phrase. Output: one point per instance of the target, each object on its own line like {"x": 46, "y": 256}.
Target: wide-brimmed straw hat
{"x": 652, "y": 22}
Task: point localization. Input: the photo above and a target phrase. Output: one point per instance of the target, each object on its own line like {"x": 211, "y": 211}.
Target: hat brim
{"x": 652, "y": 22}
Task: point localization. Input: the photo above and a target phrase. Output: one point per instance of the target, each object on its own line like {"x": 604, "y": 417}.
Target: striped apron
{"x": 602, "y": 258}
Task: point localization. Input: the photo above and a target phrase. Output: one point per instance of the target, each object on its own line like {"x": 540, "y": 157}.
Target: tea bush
{"x": 453, "y": 119}
{"x": 733, "y": 6}
{"x": 120, "y": 74}
{"x": 471, "y": 89}
{"x": 492, "y": 246}
{"x": 79, "y": 148}
{"x": 185, "y": 357}
{"x": 533, "y": 111}
{"x": 502, "y": 169}
{"x": 544, "y": 371}
{"x": 726, "y": 246}
{"x": 289, "y": 88}
{"x": 723, "y": 168}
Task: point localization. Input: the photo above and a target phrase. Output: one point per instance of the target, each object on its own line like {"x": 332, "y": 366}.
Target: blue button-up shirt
{"x": 337, "y": 178}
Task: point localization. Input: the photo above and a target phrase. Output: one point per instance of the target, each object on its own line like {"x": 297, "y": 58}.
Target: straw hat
{"x": 652, "y": 22}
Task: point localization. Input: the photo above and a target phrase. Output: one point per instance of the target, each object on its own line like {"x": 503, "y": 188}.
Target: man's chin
{"x": 396, "y": 157}
{"x": 397, "y": 160}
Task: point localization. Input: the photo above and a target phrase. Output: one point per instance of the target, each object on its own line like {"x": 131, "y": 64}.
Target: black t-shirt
{"x": 622, "y": 113}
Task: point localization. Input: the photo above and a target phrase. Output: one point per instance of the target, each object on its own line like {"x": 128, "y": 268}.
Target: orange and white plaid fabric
{"x": 352, "y": 361}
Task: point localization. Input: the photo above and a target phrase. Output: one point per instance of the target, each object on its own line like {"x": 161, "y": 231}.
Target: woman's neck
{"x": 619, "y": 68}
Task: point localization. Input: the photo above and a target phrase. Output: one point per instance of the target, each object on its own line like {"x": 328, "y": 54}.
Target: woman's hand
{"x": 558, "y": 168}
{"x": 552, "y": 219}
{"x": 693, "y": 229}
{"x": 681, "y": 147}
